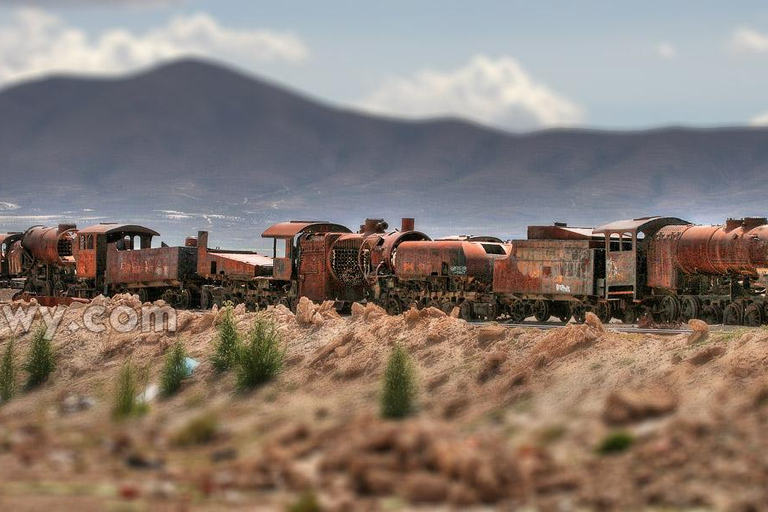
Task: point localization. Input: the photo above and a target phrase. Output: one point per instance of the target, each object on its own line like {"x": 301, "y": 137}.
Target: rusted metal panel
{"x": 166, "y": 264}
{"x": 417, "y": 260}
{"x": 378, "y": 251}
{"x": 294, "y": 227}
{"x": 218, "y": 263}
{"x": 312, "y": 274}
{"x": 662, "y": 262}
{"x": 316, "y": 278}
{"x": 546, "y": 267}
{"x": 49, "y": 245}
{"x": 620, "y": 270}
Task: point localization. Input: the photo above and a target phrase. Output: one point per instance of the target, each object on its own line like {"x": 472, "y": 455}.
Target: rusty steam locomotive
{"x": 664, "y": 267}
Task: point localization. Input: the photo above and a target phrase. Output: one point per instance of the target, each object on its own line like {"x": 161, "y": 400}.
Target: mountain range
{"x": 195, "y": 145}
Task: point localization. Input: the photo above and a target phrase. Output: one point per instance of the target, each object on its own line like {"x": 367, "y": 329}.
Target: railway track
{"x": 625, "y": 328}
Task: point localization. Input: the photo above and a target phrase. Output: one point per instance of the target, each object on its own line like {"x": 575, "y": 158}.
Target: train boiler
{"x": 49, "y": 252}
{"x": 717, "y": 273}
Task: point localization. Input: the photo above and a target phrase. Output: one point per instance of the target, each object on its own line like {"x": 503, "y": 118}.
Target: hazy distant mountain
{"x": 193, "y": 145}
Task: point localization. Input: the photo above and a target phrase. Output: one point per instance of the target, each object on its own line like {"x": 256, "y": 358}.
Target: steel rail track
{"x": 633, "y": 329}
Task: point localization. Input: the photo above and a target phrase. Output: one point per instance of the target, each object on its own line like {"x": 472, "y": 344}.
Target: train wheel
{"x": 143, "y": 295}
{"x": 733, "y": 314}
{"x": 446, "y": 306}
{"x": 753, "y": 316}
{"x": 541, "y": 311}
{"x": 59, "y": 289}
{"x": 579, "y": 312}
{"x": 690, "y": 308}
{"x": 517, "y": 311}
{"x": 169, "y": 297}
{"x": 603, "y": 312}
{"x": 712, "y": 314}
{"x": 670, "y": 309}
{"x": 206, "y": 299}
{"x": 465, "y": 310}
{"x": 394, "y": 307}
{"x": 629, "y": 315}
{"x": 185, "y": 299}
{"x": 564, "y": 312}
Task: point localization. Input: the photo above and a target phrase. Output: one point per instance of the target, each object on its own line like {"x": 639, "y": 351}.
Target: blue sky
{"x": 515, "y": 65}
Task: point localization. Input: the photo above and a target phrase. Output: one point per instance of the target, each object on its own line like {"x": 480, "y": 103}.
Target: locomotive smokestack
{"x": 407, "y": 224}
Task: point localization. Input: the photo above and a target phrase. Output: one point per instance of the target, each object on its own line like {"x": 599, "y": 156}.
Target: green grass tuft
{"x": 174, "y": 370}
{"x": 41, "y": 360}
{"x": 259, "y": 359}
{"x": 307, "y": 502}
{"x": 200, "y": 430}
{"x": 616, "y": 442}
{"x": 126, "y": 390}
{"x": 399, "y": 386}
{"x": 227, "y": 341}
{"x": 8, "y": 372}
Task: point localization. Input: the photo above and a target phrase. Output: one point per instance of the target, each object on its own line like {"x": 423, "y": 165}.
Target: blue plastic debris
{"x": 190, "y": 365}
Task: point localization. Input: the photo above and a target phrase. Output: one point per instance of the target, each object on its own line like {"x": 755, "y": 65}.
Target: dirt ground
{"x": 574, "y": 418}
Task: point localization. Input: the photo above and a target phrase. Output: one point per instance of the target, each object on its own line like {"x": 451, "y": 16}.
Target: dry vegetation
{"x": 573, "y": 418}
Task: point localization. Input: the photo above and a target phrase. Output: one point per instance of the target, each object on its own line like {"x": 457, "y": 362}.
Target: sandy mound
{"x": 571, "y": 417}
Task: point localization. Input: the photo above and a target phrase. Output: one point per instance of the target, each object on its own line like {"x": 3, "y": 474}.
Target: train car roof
{"x": 110, "y": 228}
{"x": 561, "y": 232}
{"x": 639, "y": 224}
{"x": 292, "y": 228}
{"x": 472, "y": 238}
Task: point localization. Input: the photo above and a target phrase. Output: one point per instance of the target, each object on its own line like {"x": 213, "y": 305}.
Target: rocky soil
{"x": 575, "y": 418}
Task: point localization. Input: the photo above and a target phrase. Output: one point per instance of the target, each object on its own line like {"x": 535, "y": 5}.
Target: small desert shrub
{"x": 41, "y": 361}
{"x": 174, "y": 370}
{"x": 399, "y": 388}
{"x": 226, "y": 342}
{"x": 259, "y": 358}
{"x": 126, "y": 390}
{"x": 615, "y": 442}
{"x": 8, "y": 372}
{"x": 199, "y": 430}
{"x": 307, "y": 502}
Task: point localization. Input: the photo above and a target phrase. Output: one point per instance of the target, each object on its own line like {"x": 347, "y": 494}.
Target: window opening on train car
{"x": 493, "y": 249}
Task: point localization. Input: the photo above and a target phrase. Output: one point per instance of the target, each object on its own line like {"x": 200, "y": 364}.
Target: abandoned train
{"x": 663, "y": 267}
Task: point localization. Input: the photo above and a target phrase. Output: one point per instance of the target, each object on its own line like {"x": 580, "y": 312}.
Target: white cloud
{"x": 666, "y": 50}
{"x": 34, "y": 42}
{"x": 761, "y": 120}
{"x": 747, "y": 40}
{"x": 492, "y": 91}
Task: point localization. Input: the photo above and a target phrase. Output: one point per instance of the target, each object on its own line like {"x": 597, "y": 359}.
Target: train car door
{"x": 311, "y": 267}
{"x": 620, "y": 264}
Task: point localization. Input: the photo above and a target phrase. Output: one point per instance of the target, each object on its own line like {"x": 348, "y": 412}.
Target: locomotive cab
{"x": 625, "y": 255}
{"x": 95, "y": 242}
{"x": 285, "y": 251}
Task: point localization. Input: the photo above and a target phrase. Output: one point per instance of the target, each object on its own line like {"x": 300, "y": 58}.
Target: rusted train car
{"x": 659, "y": 266}
{"x": 12, "y": 259}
